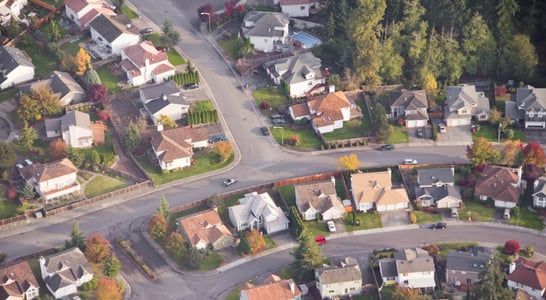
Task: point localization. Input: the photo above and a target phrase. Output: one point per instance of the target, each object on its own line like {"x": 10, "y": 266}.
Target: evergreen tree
{"x": 131, "y": 139}
{"x": 112, "y": 266}
{"x": 193, "y": 258}
{"x": 28, "y": 136}
{"x": 163, "y": 208}
{"x": 7, "y": 155}
{"x": 92, "y": 77}
{"x": 308, "y": 257}
{"x": 75, "y": 157}
{"x": 478, "y": 46}
{"x": 491, "y": 283}
{"x": 76, "y": 238}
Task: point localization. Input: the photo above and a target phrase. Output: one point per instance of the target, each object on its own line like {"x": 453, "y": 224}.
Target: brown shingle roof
{"x": 177, "y": 143}
{"x": 499, "y": 183}
{"x": 15, "y": 279}
{"x": 530, "y": 273}
{"x": 319, "y": 195}
{"x": 300, "y": 110}
{"x": 294, "y": 2}
{"x": 329, "y": 102}
{"x": 376, "y": 188}
{"x": 278, "y": 290}
{"x": 346, "y": 270}
{"x": 45, "y": 172}
{"x": 204, "y": 226}
{"x": 163, "y": 68}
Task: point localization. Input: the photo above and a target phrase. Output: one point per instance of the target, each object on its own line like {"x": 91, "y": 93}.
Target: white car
{"x": 331, "y": 226}
{"x": 410, "y": 161}
{"x": 229, "y": 181}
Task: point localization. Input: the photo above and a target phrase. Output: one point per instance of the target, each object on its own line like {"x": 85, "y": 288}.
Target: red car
{"x": 320, "y": 239}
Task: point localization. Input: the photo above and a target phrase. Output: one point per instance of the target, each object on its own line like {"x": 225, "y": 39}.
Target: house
{"x": 529, "y": 276}
{"x": 411, "y": 106}
{"x": 500, "y": 184}
{"x": 258, "y": 211}
{"x": 374, "y": 190}
{"x": 65, "y": 271}
{"x": 539, "y": 193}
{"x": 435, "y": 177}
{"x": 74, "y": 128}
{"x": 436, "y": 188}
{"x": 297, "y": 8}
{"x": 164, "y": 99}
{"x": 61, "y": 84}
{"x": 111, "y": 34}
{"x": 273, "y": 288}
{"x": 302, "y": 73}
{"x": 144, "y": 63}
{"x": 82, "y": 12}
{"x": 15, "y": 67}
{"x": 267, "y": 31}
{"x": 52, "y": 180}
{"x": 461, "y": 266}
{"x": 318, "y": 200}
{"x": 529, "y": 107}
{"x": 11, "y": 9}
{"x": 342, "y": 279}
{"x": 173, "y": 148}
{"x": 205, "y": 230}
{"x": 18, "y": 282}
{"x": 326, "y": 112}
{"x": 412, "y": 268}
{"x": 463, "y": 103}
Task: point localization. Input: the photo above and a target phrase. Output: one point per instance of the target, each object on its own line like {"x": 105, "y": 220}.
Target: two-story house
{"x": 164, "y": 99}
{"x": 318, "y": 200}
{"x": 82, "y": 12}
{"x": 529, "y": 276}
{"x": 539, "y": 193}
{"x": 297, "y": 8}
{"x": 273, "y": 288}
{"x": 412, "y": 268}
{"x": 302, "y": 73}
{"x": 374, "y": 190}
{"x": 529, "y": 107}
{"x": 267, "y": 31}
{"x": 341, "y": 279}
{"x": 15, "y": 67}
{"x": 173, "y": 148}
{"x": 110, "y": 33}
{"x": 411, "y": 106}
{"x": 74, "y": 128}
{"x": 11, "y": 9}
{"x": 17, "y": 282}
{"x": 464, "y": 266}
{"x": 435, "y": 187}
{"x": 205, "y": 230}
{"x": 258, "y": 211}
{"x": 143, "y": 63}
{"x": 62, "y": 85}
{"x": 463, "y": 103}
{"x": 500, "y": 184}
{"x": 54, "y": 179}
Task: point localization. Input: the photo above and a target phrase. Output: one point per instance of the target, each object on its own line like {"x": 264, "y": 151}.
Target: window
{"x": 331, "y": 291}
{"x": 531, "y": 114}
{"x": 302, "y": 7}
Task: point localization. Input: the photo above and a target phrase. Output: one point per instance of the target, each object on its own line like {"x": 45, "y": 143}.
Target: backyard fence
{"x": 304, "y": 179}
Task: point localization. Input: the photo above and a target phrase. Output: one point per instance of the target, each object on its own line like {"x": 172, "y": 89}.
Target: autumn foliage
{"x": 57, "y": 149}
{"x": 533, "y": 154}
{"x": 83, "y": 61}
{"x": 511, "y": 247}
{"x": 107, "y": 289}
{"x": 97, "y": 93}
{"x": 97, "y": 248}
{"x": 223, "y": 150}
{"x": 255, "y": 241}
{"x": 349, "y": 162}
{"x": 157, "y": 227}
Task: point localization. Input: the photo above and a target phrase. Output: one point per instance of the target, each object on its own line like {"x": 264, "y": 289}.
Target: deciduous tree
{"x": 157, "y": 227}
{"x": 193, "y": 258}
{"x": 495, "y": 116}
{"x": 533, "y": 154}
{"x": 97, "y": 93}
{"x": 349, "y": 162}
{"x": 119, "y": 5}
{"x": 76, "y": 238}
{"x": 107, "y": 289}
{"x": 75, "y": 157}
{"x": 175, "y": 245}
{"x": 308, "y": 257}
{"x": 97, "y": 248}
{"x": 480, "y": 152}
{"x": 83, "y": 60}
{"x": 223, "y": 151}
{"x": 166, "y": 121}
{"x": 131, "y": 139}
{"x": 37, "y": 103}
{"x": 255, "y": 240}
{"x": 510, "y": 153}
{"x": 57, "y": 149}
{"x": 404, "y": 293}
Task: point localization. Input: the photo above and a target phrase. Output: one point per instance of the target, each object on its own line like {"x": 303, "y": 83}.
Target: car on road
{"x": 331, "y": 226}
{"x": 387, "y": 147}
{"x": 191, "y": 86}
{"x": 229, "y": 181}
{"x": 265, "y": 131}
{"x": 410, "y": 161}
{"x": 439, "y": 225}
{"x": 320, "y": 239}
{"x": 420, "y": 133}
{"x": 441, "y": 128}
{"x": 146, "y": 31}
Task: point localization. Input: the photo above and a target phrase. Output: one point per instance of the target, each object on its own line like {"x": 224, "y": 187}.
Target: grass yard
{"x": 269, "y": 95}
{"x": 476, "y": 211}
{"x": 71, "y": 48}
{"x": 175, "y": 58}
{"x": 41, "y": 59}
{"x": 490, "y": 133}
{"x": 107, "y": 147}
{"x": 204, "y": 163}
{"x": 229, "y": 47}
{"x": 527, "y": 219}
{"x": 288, "y": 193}
{"x": 445, "y": 248}
{"x": 351, "y": 129}
{"x": 211, "y": 261}
{"x": 8, "y": 94}
{"x": 235, "y": 293}
{"x": 109, "y": 80}
{"x": 7, "y": 208}
{"x": 203, "y": 105}
{"x": 367, "y": 221}
{"x": 425, "y": 217}
{"x": 101, "y": 184}
{"x": 397, "y": 136}
{"x": 129, "y": 12}
{"x": 308, "y": 141}
{"x": 316, "y": 228}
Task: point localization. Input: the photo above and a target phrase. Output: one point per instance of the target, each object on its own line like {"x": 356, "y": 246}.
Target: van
{"x": 506, "y": 214}
{"x": 454, "y": 213}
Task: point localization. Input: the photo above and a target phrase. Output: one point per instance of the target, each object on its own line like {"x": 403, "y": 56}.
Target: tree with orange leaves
{"x": 223, "y": 151}
{"x": 107, "y": 289}
{"x": 97, "y": 247}
{"x": 83, "y": 61}
{"x": 57, "y": 149}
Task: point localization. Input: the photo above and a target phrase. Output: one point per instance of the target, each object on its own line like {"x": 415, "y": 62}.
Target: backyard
{"x": 307, "y": 140}
{"x": 101, "y": 184}
{"x": 490, "y": 132}
{"x": 271, "y": 96}
{"x": 41, "y": 59}
{"x": 7, "y": 208}
{"x": 109, "y": 80}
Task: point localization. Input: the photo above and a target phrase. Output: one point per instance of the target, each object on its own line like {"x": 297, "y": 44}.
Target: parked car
{"x": 278, "y": 121}
{"x": 410, "y": 161}
{"x": 441, "y": 128}
{"x": 265, "y": 131}
{"x": 217, "y": 138}
{"x": 229, "y": 181}
{"x": 19, "y": 166}
{"x": 331, "y": 226}
{"x": 191, "y": 86}
{"x": 27, "y": 162}
{"x": 439, "y": 225}
{"x": 387, "y": 147}
{"x": 420, "y": 133}
{"x": 320, "y": 239}
{"x": 276, "y": 116}
{"x": 146, "y": 31}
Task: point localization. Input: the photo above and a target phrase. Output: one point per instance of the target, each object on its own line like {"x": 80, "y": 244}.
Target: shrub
{"x": 11, "y": 194}
{"x": 413, "y": 218}
{"x": 294, "y": 140}
{"x": 90, "y": 285}
{"x": 264, "y": 105}
{"x": 511, "y": 247}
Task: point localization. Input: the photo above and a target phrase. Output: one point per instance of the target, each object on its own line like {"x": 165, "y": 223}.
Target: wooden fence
{"x": 304, "y": 179}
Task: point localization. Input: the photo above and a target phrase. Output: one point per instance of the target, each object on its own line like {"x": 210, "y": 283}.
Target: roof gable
{"x": 16, "y": 279}
{"x": 435, "y": 176}
{"x": 52, "y": 170}
{"x": 145, "y": 53}
{"x": 530, "y": 273}
{"x": 109, "y": 27}
{"x": 279, "y": 289}
{"x": 319, "y": 195}
{"x": 499, "y": 183}
{"x": 204, "y": 226}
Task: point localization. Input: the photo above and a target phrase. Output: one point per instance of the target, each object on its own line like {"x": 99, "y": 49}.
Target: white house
{"x": 411, "y": 106}
{"x": 173, "y": 148}
{"x": 529, "y": 107}
{"x": 539, "y": 194}
{"x": 164, "y": 99}
{"x": 65, "y": 271}
{"x": 374, "y": 190}
{"x": 529, "y": 276}
{"x": 318, "y": 199}
{"x": 62, "y": 85}
{"x": 500, "y": 184}
{"x": 463, "y": 103}
{"x": 297, "y": 8}
{"x": 144, "y": 63}
{"x": 18, "y": 282}
{"x": 267, "y": 31}
{"x": 54, "y": 179}
{"x": 258, "y": 211}
{"x": 436, "y": 188}
{"x": 110, "y": 33}
{"x": 11, "y": 9}
{"x": 82, "y": 12}
{"x": 15, "y": 67}
{"x": 74, "y": 128}
{"x": 302, "y": 73}
{"x": 412, "y": 268}
{"x": 342, "y": 279}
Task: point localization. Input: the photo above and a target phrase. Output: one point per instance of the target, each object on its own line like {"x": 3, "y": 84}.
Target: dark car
{"x": 320, "y": 239}
{"x": 146, "y": 31}
{"x": 387, "y": 147}
{"x": 217, "y": 138}
{"x": 439, "y": 225}
{"x": 229, "y": 181}
{"x": 278, "y": 121}
{"x": 191, "y": 86}
{"x": 420, "y": 133}
{"x": 276, "y": 116}
{"x": 265, "y": 131}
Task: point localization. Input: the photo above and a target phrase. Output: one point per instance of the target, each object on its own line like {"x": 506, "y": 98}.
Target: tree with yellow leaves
{"x": 83, "y": 60}
{"x": 349, "y": 162}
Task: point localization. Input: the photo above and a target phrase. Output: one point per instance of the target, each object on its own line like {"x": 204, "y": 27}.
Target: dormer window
{"x": 531, "y": 114}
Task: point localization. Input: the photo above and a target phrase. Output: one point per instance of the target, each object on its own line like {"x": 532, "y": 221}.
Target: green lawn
{"x": 490, "y": 133}
{"x": 107, "y": 147}
{"x": 269, "y": 95}
{"x": 41, "y": 59}
{"x": 109, "y": 80}
{"x": 367, "y": 221}
{"x": 527, "y": 219}
{"x": 308, "y": 141}
{"x": 397, "y": 136}
{"x": 71, "y": 48}
{"x": 204, "y": 163}
{"x": 211, "y": 262}
{"x": 129, "y": 12}
{"x": 8, "y": 94}
{"x": 480, "y": 211}
{"x": 175, "y": 58}
{"x": 229, "y": 47}
{"x": 288, "y": 193}
{"x": 203, "y": 105}
{"x": 101, "y": 185}
{"x": 351, "y": 129}
{"x": 445, "y": 248}
{"x": 425, "y": 217}
{"x": 235, "y": 294}
{"x": 7, "y": 208}
{"x": 316, "y": 228}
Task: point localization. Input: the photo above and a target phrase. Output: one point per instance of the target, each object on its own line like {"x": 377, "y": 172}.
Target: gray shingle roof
{"x": 60, "y": 83}
{"x": 66, "y": 267}
{"x": 293, "y": 69}
{"x": 427, "y": 177}
{"x": 388, "y": 267}
{"x": 346, "y": 270}
{"x": 438, "y": 193}
{"x": 473, "y": 261}
{"x": 264, "y": 24}
{"x": 529, "y": 98}
{"x": 158, "y": 104}
{"x": 108, "y": 27}
{"x": 76, "y": 118}
{"x": 157, "y": 90}
{"x": 11, "y": 58}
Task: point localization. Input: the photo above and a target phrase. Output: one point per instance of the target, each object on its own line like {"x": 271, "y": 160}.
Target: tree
{"x": 510, "y": 153}
{"x": 95, "y": 156}
{"x": 533, "y": 154}
{"x": 83, "y": 60}
{"x": 119, "y": 5}
{"x": 166, "y": 121}
{"x": 13, "y": 29}
{"x": 131, "y": 139}
{"x": 27, "y": 192}
{"x": 57, "y": 149}
{"x": 392, "y": 62}
{"x": 480, "y": 152}
{"x": 75, "y": 157}
{"x": 404, "y": 293}
{"x": 97, "y": 248}
{"x": 478, "y": 46}
{"x": 92, "y": 77}
{"x": 37, "y": 103}
{"x": 76, "y": 238}
{"x": 490, "y": 285}
{"x": 175, "y": 245}
{"x": 157, "y": 227}
{"x": 520, "y": 59}
{"x": 107, "y": 289}
{"x": 223, "y": 151}
{"x": 163, "y": 208}
{"x": 308, "y": 257}
{"x": 193, "y": 258}
{"x": 242, "y": 47}
{"x": 451, "y": 68}
{"x": 7, "y": 156}
{"x": 380, "y": 124}
{"x": 55, "y": 32}
{"x": 28, "y": 136}
{"x": 255, "y": 240}
{"x": 495, "y": 116}
{"x": 97, "y": 93}
{"x": 349, "y": 162}
{"x": 112, "y": 266}
{"x": 170, "y": 36}
{"x": 532, "y": 173}
{"x": 294, "y": 140}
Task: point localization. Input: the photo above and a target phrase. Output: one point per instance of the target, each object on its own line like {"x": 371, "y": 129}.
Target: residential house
{"x": 18, "y": 282}
{"x": 273, "y": 288}
{"x": 74, "y": 128}
{"x": 342, "y": 279}
{"x": 267, "y": 31}
{"x": 61, "y": 84}
{"x": 15, "y": 67}
{"x": 54, "y": 179}
{"x": 11, "y": 9}
{"x": 111, "y": 34}
{"x": 205, "y": 230}
{"x": 173, "y": 148}
{"x": 463, "y": 103}
{"x": 302, "y": 73}
{"x": 318, "y": 200}
{"x": 539, "y": 194}
{"x": 412, "y": 268}
{"x": 411, "y": 106}
{"x": 375, "y": 190}
{"x": 143, "y": 63}
{"x": 463, "y": 266}
{"x": 529, "y": 107}
{"x": 258, "y": 211}
{"x": 529, "y": 276}
{"x": 435, "y": 177}
{"x": 65, "y": 271}
{"x": 297, "y": 8}
{"x": 82, "y": 12}
{"x": 436, "y": 188}
{"x": 500, "y": 184}
{"x": 327, "y": 112}
{"x": 164, "y": 99}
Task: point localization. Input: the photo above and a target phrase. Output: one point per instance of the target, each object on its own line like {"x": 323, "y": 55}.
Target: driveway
{"x": 536, "y": 135}
{"x": 394, "y": 218}
{"x": 454, "y": 135}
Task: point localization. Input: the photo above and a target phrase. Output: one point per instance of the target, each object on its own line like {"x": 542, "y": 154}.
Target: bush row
{"x": 126, "y": 246}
